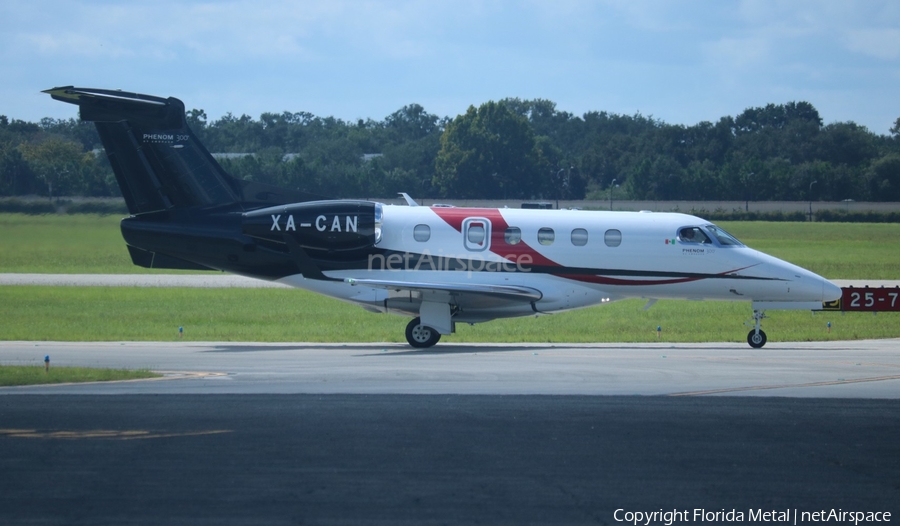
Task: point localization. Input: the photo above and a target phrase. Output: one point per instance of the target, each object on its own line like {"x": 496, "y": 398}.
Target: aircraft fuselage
{"x": 573, "y": 258}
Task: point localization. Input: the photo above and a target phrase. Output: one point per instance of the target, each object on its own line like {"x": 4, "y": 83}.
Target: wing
{"x": 436, "y": 302}
{"x": 470, "y": 295}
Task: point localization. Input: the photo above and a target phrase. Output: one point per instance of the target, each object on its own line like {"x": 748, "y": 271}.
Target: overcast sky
{"x": 678, "y": 61}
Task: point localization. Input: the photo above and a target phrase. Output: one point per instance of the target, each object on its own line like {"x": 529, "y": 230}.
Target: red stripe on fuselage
{"x": 600, "y": 280}
{"x": 456, "y": 216}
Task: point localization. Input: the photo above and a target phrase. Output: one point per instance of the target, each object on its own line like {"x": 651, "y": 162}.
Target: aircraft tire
{"x": 421, "y": 336}
{"x": 756, "y": 340}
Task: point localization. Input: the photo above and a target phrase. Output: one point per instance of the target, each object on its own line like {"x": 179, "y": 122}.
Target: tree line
{"x": 507, "y": 149}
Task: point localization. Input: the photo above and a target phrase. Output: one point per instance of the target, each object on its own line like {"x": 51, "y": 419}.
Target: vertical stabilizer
{"x": 157, "y": 160}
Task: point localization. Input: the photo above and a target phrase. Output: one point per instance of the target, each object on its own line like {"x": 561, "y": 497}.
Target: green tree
{"x": 58, "y": 162}
{"x": 489, "y": 153}
{"x": 84, "y": 133}
{"x": 196, "y": 121}
{"x": 411, "y": 123}
{"x": 846, "y": 143}
{"x": 884, "y": 178}
{"x": 514, "y": 148}
{"x": 16, "y": 177}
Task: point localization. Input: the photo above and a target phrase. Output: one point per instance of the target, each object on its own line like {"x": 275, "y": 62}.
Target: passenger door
{"x": 476, "y": 234}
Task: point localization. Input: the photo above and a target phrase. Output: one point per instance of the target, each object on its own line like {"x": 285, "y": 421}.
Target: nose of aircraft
{"x": 796, "y": 283}
{"x": 830, "y": 291}
{"x": 804, "y": 285}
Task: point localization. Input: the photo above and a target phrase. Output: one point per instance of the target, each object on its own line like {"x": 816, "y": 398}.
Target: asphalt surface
{"x": 839, "y": 369}
{"x": 474, "y": 434}
{"x": 451, "y": 459}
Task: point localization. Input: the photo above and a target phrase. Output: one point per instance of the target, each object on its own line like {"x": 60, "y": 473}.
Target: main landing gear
{"x": 756, "y": 338}
{"x": 421, "y": 336}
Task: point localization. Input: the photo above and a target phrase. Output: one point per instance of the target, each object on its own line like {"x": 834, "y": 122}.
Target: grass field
{"x": 832, "y": 250}
{"x": 271, "y": 315}
{"x": 36, "y": 375}
{"x": 64, "y": 244}
{"x": 92, "y": 244}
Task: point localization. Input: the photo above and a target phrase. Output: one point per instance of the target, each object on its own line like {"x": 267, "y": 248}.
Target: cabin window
{"x": 546, "y": 236}
{"x": 579, "y": 237}
{"x": 476, "y": 234}
{"x": 612, "y": 237}
{"x": 422, "y": 233}
{"x": 512, "y": 235}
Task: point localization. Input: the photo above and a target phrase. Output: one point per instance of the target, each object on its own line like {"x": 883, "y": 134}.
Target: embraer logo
{"x": 322, "y": 224}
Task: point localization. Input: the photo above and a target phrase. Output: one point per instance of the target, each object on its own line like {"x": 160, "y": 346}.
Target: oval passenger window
{"x": 612, "y": 238}
{"x": 546, "y": 236}
{"x": 512, "y": 235}
{"x": 422, "y": 233}
{"x": 579, "y": 237}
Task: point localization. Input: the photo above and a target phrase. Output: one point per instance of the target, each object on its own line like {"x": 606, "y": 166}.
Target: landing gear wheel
{"x": 755, "y": 339}
{"x": 421, "y": 336}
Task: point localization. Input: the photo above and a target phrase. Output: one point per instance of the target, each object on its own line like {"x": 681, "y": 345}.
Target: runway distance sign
{"x": 866, "y": 300}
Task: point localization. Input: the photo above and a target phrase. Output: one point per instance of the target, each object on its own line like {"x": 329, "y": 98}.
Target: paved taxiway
{"x": 841, "y": 369}
{"x": 295, "y": 433}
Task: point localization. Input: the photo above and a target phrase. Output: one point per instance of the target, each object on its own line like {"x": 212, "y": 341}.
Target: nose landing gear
{"x": 757, "y": 338}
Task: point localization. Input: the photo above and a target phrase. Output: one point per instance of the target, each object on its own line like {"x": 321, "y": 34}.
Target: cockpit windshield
{"x": 693, "y": 234}
{"x": 724, "y": 238}
{"x": 707, "y": 235}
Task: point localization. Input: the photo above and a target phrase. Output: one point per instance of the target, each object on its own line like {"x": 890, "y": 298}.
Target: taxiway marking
{"x": 788, "y": 386}
{"x": 131, "y": 434}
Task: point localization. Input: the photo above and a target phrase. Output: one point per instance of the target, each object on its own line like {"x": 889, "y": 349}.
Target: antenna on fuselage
{"x": 409, "y": 200}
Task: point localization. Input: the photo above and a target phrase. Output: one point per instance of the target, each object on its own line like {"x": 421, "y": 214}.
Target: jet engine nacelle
{"x": 324, "y": 229}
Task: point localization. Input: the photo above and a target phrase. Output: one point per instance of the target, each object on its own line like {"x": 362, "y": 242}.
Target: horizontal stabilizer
{"x": 98, "y": 105}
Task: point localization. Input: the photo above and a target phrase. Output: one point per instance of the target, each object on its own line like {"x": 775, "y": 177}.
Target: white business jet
{"x": 439, "y": 265}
